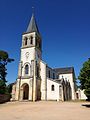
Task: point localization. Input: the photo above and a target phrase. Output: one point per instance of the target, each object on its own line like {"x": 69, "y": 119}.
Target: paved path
{"x": 44, "y": 111}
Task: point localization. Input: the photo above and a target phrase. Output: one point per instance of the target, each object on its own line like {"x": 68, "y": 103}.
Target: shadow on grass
{"x": 86, "y": 105}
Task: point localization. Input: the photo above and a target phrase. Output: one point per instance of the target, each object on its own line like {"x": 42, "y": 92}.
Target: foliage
{"x": 4, "y": 60}
{"x": 9, "y": 88}
{"x": 84, "y": 78}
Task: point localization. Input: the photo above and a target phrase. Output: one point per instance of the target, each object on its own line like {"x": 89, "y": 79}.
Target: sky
{"x": 64, "y": 26}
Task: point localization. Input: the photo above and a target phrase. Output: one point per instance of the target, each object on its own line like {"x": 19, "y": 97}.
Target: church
{"x": 36, "y": 80}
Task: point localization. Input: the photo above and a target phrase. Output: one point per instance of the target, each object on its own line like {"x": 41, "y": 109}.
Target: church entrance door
{"x": 25, "y": 92}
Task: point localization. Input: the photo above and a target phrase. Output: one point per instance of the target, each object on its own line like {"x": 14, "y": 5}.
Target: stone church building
{"x": 36, "y": 80}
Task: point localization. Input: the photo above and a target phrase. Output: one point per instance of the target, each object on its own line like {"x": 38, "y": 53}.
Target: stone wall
{"x": 4, "y": 98}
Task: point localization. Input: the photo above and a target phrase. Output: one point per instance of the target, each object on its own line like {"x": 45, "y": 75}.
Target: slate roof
{"x": 32, "y": 27}
{"x": 64, "y": 70}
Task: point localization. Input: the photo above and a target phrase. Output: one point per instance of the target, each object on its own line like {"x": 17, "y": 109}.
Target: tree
{"x": 4, "y": 60}
{"x": 84, "y": 78}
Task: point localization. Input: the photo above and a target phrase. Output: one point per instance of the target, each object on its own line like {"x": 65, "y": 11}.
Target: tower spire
{"x": 32, "y": 27}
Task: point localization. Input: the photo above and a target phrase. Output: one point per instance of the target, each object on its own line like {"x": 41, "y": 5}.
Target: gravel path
{"x": 45, "y": 111}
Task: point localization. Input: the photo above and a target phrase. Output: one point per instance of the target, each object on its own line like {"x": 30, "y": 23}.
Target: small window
{"x": 26, "y": 69}
{"x": 31, "y": 40}
{"x": 52, "y": 88}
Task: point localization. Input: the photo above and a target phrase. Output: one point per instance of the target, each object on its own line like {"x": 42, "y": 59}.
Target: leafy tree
{"x": 84, "y": 78}
{"x": 9, "y": 87}
{"x": 4, "y": 60}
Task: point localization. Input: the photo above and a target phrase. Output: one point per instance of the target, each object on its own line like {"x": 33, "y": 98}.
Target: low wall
{"x": 4, "y": 98}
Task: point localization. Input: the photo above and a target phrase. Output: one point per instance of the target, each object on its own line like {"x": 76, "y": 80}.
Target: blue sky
{"x": 63, "y": 24}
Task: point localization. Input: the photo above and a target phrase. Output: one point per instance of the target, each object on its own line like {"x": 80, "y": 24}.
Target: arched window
{"x": 25, "y": 41}
{"x": 26, "y": 69}
{"x": 31, "y": 38}
{"x": 52, "y": 88}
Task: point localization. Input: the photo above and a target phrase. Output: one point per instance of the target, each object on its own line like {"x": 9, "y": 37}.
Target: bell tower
{"x": 31, "y": 53}
{"x": 32, "y": 38}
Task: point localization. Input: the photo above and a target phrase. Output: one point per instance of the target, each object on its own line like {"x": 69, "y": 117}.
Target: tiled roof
{"x": 64, "y": 70}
